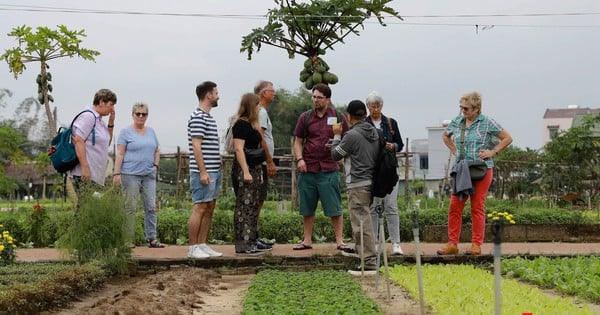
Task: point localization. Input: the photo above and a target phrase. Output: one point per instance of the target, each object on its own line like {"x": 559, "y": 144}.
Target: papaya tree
{"x": 43, "y": 45}
{"x": 313, "y": 27}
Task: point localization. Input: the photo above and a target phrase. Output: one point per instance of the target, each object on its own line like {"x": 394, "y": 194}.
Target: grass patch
{"x": 312, "y": 292}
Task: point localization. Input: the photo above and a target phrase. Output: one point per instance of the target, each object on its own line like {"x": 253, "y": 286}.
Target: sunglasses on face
{"x": 464, "y": 108}
{"x": 141, "y": 114}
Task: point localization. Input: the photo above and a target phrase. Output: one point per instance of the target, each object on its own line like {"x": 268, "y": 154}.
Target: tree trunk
{"x": 51, "y": 121}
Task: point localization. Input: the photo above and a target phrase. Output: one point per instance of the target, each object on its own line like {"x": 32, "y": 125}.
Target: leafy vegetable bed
{"x": 32, "y": 288}
{"x": 312, "y": 292}
{"x": 467, "y": 289}
{"x": 579, "y": 276}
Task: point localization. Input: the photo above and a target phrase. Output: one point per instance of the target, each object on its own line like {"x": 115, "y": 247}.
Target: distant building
{"x": 430, "y": 159}
{"x": 562, "y": 119}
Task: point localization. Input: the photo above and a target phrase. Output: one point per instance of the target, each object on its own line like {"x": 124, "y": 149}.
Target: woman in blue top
{"x": 469, "y": 136}
{"x": 136, "y": 167}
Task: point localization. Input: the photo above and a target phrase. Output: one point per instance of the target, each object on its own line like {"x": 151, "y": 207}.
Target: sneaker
{"x": 349, "y": 252}
{"x": 196, "y": 252}
{"x": 265, "y": 242}
{"x": 358, "y": 272}
{"x": 396, "y": 249}
{"x": 261, "y": 247}
{"x": 474, "y": 250}
{"x": 249, "y": 252}
{"x": 212, "y": 253}
{"x": 449, "y": 249}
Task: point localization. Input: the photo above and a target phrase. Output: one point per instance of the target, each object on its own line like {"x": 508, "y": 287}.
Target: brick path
{"x": 178, "y": 254}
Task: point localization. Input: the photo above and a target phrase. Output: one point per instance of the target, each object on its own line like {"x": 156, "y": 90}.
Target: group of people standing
{"x": 318, "y": 171}
{"x": 323, "y": 137}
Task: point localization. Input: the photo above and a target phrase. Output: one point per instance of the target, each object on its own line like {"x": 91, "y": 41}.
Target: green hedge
{"x": 283, "y": 226}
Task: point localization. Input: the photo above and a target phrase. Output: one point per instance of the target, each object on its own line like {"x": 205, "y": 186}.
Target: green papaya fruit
{"x": 326, "y": 77}
{"x": 38, "y": 80}
{"x": 39, "y": 88}
{"x": 334, "y": 79}
{"x": 41, "y": 98}
{"x": 308, "y": 64}
{"x": 308, "y": 84}
{"x": 323, "y": 63}
{"x": 50, "y": 88}
{"x": 48, "y": 76}
{"x": 317, "y": 78}
{"x": 50, "y": 98}
{"x": 304, "y": 75}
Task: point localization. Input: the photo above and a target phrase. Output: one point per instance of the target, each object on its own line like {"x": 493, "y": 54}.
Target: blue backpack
{"x": 62, "y": 152}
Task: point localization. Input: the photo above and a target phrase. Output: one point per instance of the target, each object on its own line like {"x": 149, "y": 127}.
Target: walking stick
{"x": 415, "y": 219}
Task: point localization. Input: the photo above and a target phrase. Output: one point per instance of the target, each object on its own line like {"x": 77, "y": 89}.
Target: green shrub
{"x": 283, "y": 226}
{"x": 99, "y": 230}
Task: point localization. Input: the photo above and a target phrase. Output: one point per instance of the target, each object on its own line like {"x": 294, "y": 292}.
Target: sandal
{"x": 301, "y": 246}
{"x": 156, "y": 244}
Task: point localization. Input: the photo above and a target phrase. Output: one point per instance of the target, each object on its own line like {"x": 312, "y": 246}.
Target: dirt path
{"x": 181, "y": 290}
{"x": 400, "y": 301}
{"x": 184, "y": 290}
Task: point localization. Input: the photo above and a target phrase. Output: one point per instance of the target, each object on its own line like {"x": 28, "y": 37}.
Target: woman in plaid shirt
{"x": 479, "y": 131}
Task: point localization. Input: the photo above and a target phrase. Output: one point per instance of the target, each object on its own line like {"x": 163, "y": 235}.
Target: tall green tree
{"x": 311, "y": 28}
{"x": 9, "y": 152}
{"x": 572, "y": 160}
{"x": 287, "y": 107}
{"x": 41, "y": 46}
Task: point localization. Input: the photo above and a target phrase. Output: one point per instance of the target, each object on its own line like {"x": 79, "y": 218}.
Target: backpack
{"x": 229, "y": 141}
{"x": 309, "y": 112}
{"x": 62, "y": 152}
{"x": 385, "y": 175}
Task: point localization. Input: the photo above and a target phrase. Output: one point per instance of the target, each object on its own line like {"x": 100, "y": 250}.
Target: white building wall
{"x": 562, "y": 123}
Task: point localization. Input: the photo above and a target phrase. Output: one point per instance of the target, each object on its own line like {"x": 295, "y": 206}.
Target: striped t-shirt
{"x": 202, "y": 125}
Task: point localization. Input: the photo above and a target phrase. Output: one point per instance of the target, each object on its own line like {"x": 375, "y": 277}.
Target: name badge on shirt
{"x": 331, "y": 121}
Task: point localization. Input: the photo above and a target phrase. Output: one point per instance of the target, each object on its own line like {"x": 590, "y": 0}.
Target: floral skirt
{"x": 247, "y": 197}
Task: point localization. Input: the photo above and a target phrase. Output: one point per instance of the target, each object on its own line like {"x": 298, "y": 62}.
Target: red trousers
{"x": 477, "y": 211}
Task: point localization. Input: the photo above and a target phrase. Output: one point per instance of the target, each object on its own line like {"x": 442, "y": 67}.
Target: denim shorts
{"x": 205, "y": 193}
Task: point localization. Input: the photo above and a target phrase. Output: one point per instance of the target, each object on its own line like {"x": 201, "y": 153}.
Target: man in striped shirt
{"x": 205, "y": 170}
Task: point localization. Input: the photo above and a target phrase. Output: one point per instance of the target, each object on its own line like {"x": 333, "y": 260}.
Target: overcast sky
{"x": 522, "y": 65}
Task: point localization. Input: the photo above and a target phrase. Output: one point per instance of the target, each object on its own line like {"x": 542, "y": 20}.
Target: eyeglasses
{"x": 318, "y": 97}
{"x": 141, "y": 114}
{"x": 464, "y": 108}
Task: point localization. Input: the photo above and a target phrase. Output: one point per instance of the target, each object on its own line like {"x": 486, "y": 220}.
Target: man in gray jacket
{"x": 359, "y": 149}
